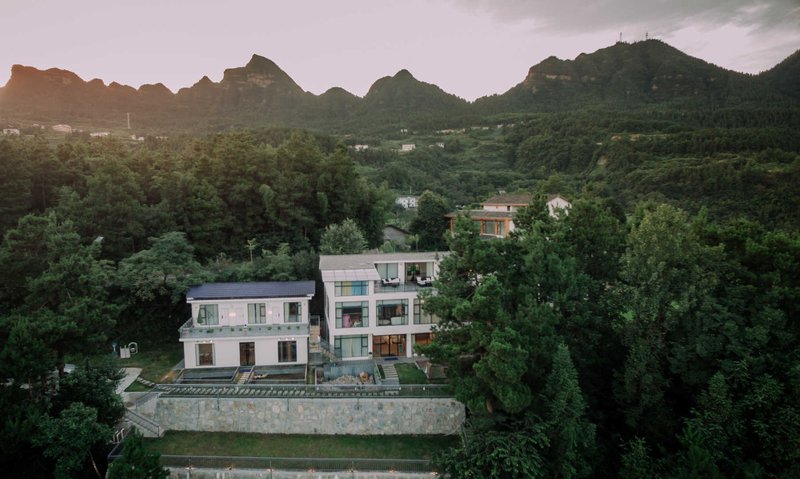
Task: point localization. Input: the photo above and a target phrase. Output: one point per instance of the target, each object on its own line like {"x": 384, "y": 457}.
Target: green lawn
{"x": 409, "y": 373}
{"x": 156, "y": 360}
{"x": 265, "y": 445}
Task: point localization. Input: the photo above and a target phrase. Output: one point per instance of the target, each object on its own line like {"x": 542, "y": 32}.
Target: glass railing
{"x": 189, "y": 331}
{"x": 410, "y": 287}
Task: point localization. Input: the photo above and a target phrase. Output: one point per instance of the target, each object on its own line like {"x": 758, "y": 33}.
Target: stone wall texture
{"x": 367, "y": 416}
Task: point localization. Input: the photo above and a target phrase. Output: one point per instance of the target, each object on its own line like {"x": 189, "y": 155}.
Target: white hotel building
{"x": 371, "y": 304}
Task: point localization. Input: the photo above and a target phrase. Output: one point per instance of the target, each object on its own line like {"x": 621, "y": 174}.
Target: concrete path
{"x": 130, "y": 376}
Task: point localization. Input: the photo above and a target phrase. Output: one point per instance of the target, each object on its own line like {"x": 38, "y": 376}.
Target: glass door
{"x": 247, "y": 354}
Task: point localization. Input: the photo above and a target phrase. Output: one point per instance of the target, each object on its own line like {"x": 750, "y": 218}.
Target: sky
{"x": 470, "y": 48}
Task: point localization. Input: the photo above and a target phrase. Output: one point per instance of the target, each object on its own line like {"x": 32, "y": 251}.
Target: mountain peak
{"x": 261, "y": 64}
{"x": 404, "y": 74}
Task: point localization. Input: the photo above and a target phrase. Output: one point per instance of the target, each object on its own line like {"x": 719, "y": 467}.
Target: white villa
{"x": 496, "y": 216}
{"x": 407, "y": 201}
{"x": 371, "y": 304}
{"x": 247, "y": 324}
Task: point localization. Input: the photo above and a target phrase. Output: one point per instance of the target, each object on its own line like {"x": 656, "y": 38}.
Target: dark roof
{"x": 267, "y": 289}
{"x": 520, "y": 199}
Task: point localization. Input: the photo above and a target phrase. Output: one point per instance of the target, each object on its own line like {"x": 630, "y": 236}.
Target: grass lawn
{"x": 280, "y": 445}
{"x": 136, "y": 387}
{"x": 156, "y": 360}
{"x": 408, "y": 373}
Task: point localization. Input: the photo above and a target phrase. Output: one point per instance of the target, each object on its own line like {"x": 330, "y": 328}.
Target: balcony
{"x": 188, "y": 331}
{"x": 385, "y": 286}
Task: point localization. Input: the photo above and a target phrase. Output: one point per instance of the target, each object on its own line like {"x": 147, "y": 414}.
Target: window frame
{"x": 200, "y": 355}
{"x": 203, "y": 316}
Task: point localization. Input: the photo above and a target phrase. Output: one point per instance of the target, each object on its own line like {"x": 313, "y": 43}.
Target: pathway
{"x": 390, "y": 373}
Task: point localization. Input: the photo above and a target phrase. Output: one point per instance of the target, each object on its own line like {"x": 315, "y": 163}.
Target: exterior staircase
{"x": 313, "y": 339}
{"x": 244, "y": 376}
{"x": 145, "y": 425}
{"x": 390, "y": 375}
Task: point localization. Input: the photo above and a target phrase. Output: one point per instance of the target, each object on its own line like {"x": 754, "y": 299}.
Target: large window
{"x": 205, "y": 354}
{"x": 351, "y": 346}
{"x": 351, "y": 288}
{"x": 256, "y": 313}
{"x": 287, "y": 351}
{"x": 494, "y": 228}
{"x": 422, "y": 270}
{"x": 387, "y": 270}
{"x": 392, "y": 312}
{"x": 208, "y": 315}
{"x": 352, "y": 314}
{"x": 292, "y": 312}
{"x": 421, "y": 316}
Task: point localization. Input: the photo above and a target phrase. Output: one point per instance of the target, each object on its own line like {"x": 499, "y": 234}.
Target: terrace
{"x": 189, "y": 331}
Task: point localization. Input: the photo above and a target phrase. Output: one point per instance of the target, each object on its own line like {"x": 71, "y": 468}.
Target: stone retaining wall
{"x": 359, "y": 416}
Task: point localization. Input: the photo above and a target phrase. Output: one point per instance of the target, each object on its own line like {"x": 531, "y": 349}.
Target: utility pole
{"x": 129, "y": 120}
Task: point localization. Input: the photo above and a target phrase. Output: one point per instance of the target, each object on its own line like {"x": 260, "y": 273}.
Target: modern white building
{"x": 372, "y": 307}
{"x": 247, "y": 324}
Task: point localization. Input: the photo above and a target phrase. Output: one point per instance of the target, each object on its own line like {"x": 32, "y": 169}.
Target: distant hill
{"x": 628, "y": 74}
{"x": 260, "y": 93}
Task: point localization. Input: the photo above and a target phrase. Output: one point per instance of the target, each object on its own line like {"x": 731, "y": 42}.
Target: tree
{"x": 430, "y": 223}
{"x": 136, "y": 462}
{"x": 570, "y": 434}
{"x": 69, "y": 438}
{"x": 342, "y": 238}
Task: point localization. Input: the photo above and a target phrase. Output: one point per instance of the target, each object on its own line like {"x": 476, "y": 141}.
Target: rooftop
{"x": 368, "y": 261}
{"x": 523, "y": 199}
{"x": 482, "y": 214}
{"x": 266, "y": 289}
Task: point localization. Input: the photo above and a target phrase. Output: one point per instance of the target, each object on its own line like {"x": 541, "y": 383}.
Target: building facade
{"x": 372, "y": 303}
{"x": 247, "y": 324}
{"x": 496, "y": 216}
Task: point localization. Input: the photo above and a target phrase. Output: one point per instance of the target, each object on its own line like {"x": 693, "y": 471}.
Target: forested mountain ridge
{"x": 622, "y": 75}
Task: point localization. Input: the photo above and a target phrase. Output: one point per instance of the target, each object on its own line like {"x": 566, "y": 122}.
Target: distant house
{"x": 99, "y": 134}
{"x": 247, "y": 324}
{"x": 395, "y": 235}
{"x": 10, "y": 131}
{"x": 496, "y": 216}
{"x": 360, "y": 147}
{"x": 407, "y": 201}
{"x": 440, "y": 144}
{"x": 406, "y": 147}
{"x": 62, "y": 128}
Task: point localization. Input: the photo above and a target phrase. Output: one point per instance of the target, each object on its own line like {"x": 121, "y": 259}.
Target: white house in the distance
{"x": 247, "y": 324}
{"x": 407, "y": 201}
{"x": 372, "y": 307}
{"x": 496, "y": 216}
{"x": 406, "y": 147}
{"x": 11, "y": 131}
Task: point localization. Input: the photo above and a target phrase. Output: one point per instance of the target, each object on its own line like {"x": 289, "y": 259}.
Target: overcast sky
{"x": 470, "y": 48}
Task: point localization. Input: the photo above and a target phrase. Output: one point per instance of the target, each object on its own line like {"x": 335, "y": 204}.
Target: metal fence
{"x": 305, "y": 390}
{"x": 320, "y": 464}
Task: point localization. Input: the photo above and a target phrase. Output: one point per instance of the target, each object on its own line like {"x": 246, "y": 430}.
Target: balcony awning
{"x": 370, "y": 274}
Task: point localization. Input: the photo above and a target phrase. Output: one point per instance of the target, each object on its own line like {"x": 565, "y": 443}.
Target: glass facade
{"x": 205, "y": 354}
{"x": 392, "y": 312}
{"x": 292, "y": 312}
{"x": 208, "y": 315}
{"x": 353, "y": 314}
{"x": 351, "y": 288}
{"x": 287, "y": 351}
{"x": 256, "y": 313}
{"x": 351, "y": 346}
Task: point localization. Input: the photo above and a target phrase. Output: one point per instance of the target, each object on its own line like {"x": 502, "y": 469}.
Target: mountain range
{"x": 624, "y": 75}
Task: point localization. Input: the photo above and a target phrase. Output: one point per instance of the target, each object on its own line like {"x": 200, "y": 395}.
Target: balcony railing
{"x": 399, "y": 287}
{"x": 189, "y": 331}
